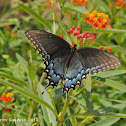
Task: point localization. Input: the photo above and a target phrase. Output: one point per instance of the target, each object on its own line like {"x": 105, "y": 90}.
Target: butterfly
{"x": 69, "y": 63}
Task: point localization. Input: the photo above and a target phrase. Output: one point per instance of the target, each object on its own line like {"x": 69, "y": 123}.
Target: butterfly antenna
{"x": 45, "y": 88}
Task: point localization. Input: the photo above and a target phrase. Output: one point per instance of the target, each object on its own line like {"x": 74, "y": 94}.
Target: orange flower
{"x": 94, "y": 12}
{"x": 80, "y": 2}
{"x": 120, "y": 3}
{"x": 109, "y": 26}
{"x": 86, "y": 13}
{"x": 6, "y": 97}
{"x": 97, "y": 20}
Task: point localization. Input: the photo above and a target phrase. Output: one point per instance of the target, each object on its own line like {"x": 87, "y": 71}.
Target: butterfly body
{"x": 59, "y": 55}
{"x": 73, "y": 51}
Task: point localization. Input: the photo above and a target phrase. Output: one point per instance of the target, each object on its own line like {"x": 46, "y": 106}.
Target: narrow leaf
{"x": 111, "y": 73}
{"x": 112, "y": 30}
{"x": 110, "y": 83}
{"x": 87, "y": 84}
{"x": 36, "y": 16}
{"x": 47, "y": 113}
{"x": 22, "y": 62}
{"x": 106, "y": 122}
{"x": 118, "y": 101}
{"x": 80, "y": 9}
{"x": 13, "y": 79}
{"x": 64, "y": 30}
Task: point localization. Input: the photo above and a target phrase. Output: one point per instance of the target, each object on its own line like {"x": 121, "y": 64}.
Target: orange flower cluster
{"x": 80, "y": 2}
{"x": 6, "y": 97}
{"x": 98, "y": 20}
{"x": 120, "y": 3}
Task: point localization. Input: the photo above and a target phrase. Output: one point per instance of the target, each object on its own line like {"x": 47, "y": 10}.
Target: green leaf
{"x": 104, "y": 7}
{"x": 87, "y": 84}
{"x": 79, "y": 98}
{"x": 118, "y": 101}
{"x": 31, "y": 73}
{"x": 36, "y": 16}
{"x": 111, "y": 73}
{"x": 14, "y": 43}
{"x": 27, "y": 93}
{"x": 11, "y": 21}
{"x": 112, "y": 30}
{"x": 49, "y": 116}
{"x": 22, "y": 62}
{"x": 64, "y": 30}
{"x": 13, "y": 79}
{"x": 110, "y": 83}
{"x": 69, "y": 7}
{"x": 106, "y": 122}
{"x": 18, "y": 112}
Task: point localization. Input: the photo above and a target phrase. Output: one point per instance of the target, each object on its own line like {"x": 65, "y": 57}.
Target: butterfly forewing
{"x": 98, "y": 59}
{"x": 51, "y": 43}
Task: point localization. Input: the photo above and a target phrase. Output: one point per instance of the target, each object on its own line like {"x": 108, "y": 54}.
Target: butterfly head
{"x": 75, "y": 46}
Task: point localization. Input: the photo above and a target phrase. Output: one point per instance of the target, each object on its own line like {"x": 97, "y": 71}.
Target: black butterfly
{"x": 59, "y": 55}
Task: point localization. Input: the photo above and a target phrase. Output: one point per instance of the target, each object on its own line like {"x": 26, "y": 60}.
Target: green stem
{"x": 80, "y": 90}
{"x": 56, "y": 114}
{"x": 81, "y": 124}
{"x": 61, "y": 10}
{"x": 63, "y": 112}
{"x": 31, "y": 110}
{"x": 54, "y": 24}
{"x": 42, "y": 78}
{"x": 30, "y": 55}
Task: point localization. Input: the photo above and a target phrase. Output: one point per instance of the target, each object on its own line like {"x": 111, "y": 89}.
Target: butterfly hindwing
{"x": 74, "y": 73}
{"x": 56, "y": 69}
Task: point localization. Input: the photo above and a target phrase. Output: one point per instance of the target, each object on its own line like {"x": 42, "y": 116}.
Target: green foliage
{"x": 99, "y": 101}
